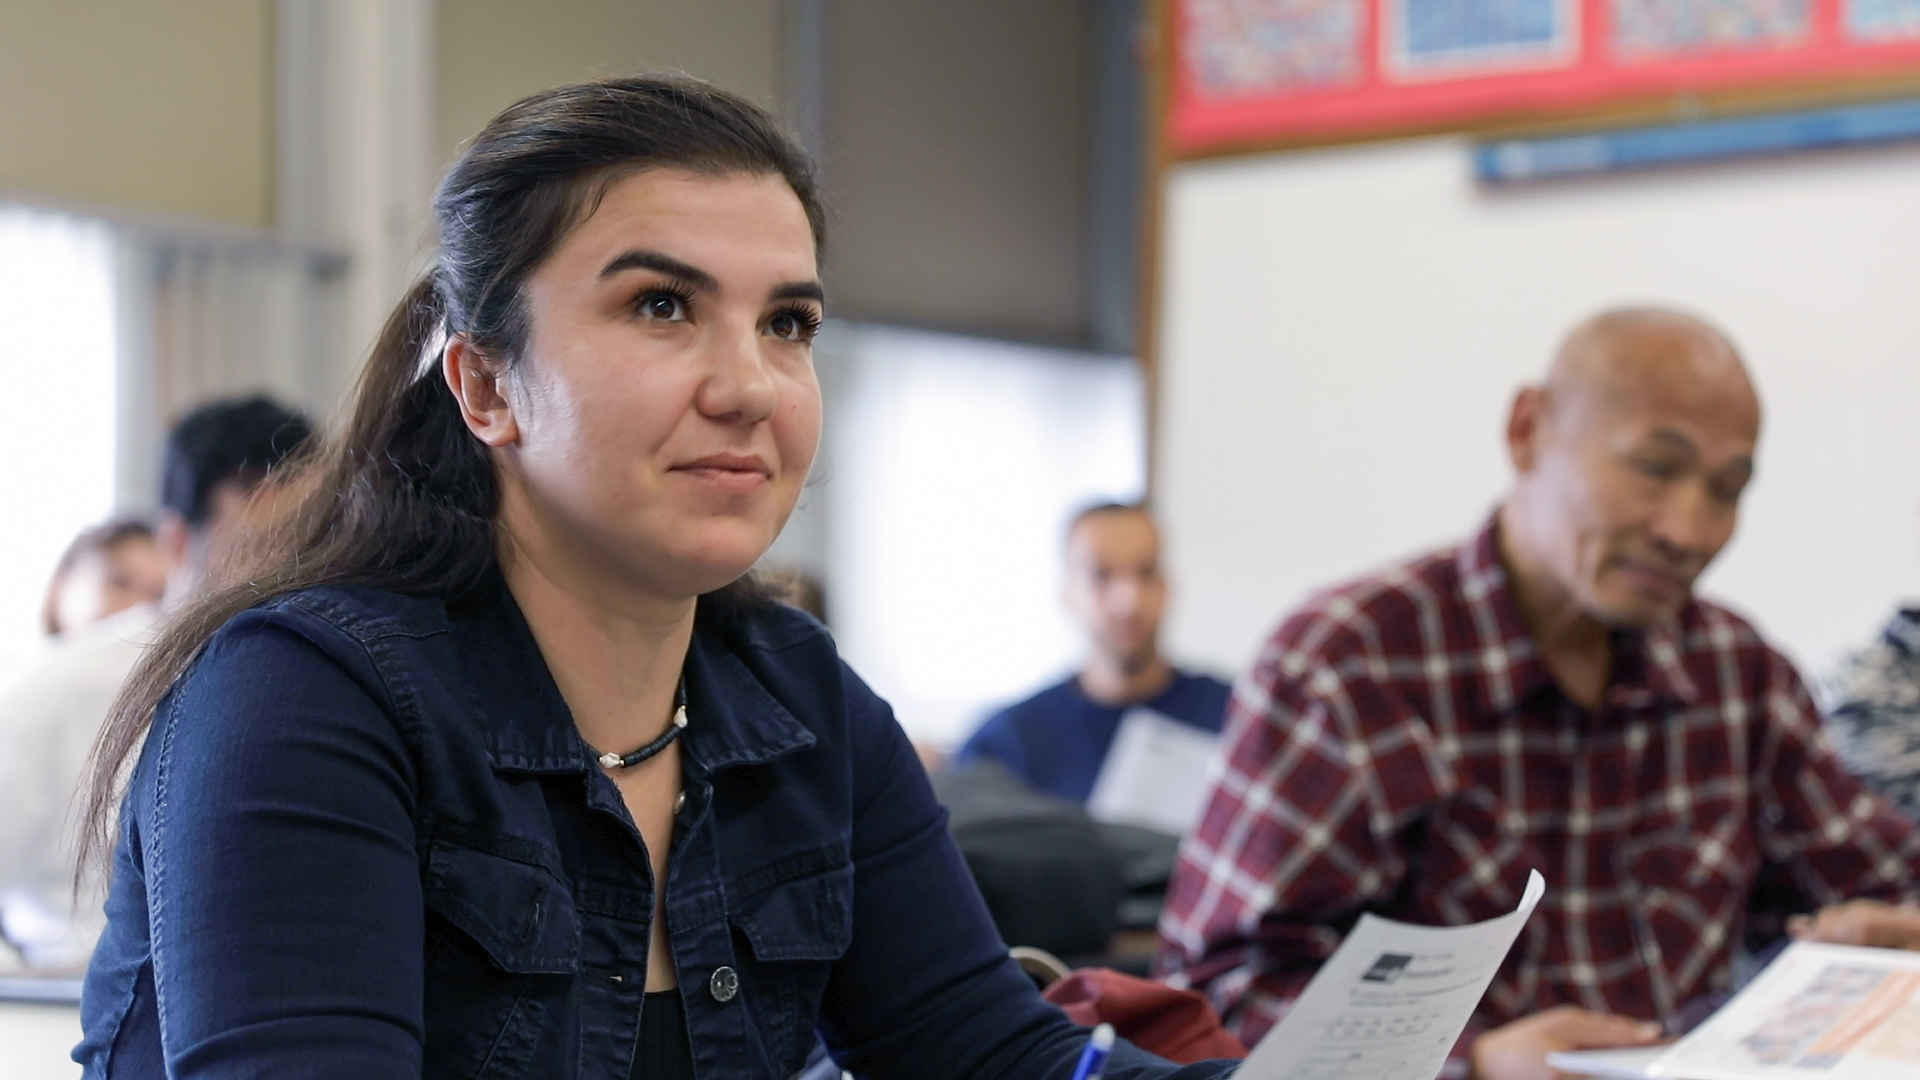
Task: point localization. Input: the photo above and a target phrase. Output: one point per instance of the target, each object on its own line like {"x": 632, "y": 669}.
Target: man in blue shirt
{"x": 1057, "y": 740}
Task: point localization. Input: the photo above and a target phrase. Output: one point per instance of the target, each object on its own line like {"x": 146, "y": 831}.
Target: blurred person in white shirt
{"x": 106, "y": 570}
{"x": 53, "y": 702}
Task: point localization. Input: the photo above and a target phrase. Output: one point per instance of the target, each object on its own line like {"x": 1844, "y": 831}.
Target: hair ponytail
{"x": 404, "y": 469}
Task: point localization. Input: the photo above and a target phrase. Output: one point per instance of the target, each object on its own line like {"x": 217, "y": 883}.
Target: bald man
{"x": 1549, "y": 694}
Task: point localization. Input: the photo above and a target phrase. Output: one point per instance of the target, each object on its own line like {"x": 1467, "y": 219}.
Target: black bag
{"x": 1052, "y": 877}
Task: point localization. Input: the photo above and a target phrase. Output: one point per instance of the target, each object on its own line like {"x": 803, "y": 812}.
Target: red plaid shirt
{"x": 1400, "y": 748}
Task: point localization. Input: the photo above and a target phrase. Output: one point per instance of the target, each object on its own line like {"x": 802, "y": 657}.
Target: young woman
{"x": 494, "y": 767}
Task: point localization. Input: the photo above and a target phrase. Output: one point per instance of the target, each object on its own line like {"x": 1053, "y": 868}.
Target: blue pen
{"x": 1093, "y": 1060}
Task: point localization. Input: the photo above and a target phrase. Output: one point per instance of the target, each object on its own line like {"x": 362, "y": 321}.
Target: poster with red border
{"x": 1248, "y": 71}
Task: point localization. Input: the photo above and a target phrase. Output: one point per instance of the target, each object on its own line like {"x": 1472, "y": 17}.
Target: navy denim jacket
{"x": 365, "y": 840}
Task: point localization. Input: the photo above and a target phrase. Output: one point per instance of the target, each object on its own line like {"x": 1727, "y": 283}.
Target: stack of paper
{"x": 1833, "y": 1012}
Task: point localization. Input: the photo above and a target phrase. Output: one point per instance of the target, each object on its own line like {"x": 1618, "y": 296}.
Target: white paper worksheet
{"x": 1391, "y": 1001}
{"x": 1157, "y": 773}
{"x": 1617, "y": 1063}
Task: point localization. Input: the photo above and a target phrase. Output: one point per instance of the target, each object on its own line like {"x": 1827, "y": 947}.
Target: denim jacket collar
{"x": 732, "y": 719}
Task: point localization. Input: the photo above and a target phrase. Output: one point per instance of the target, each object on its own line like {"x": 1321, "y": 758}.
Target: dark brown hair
{"x": 404, "y": 497}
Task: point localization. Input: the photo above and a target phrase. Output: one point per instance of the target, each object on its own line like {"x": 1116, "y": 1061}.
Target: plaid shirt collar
{"x": 1646, "y": 663}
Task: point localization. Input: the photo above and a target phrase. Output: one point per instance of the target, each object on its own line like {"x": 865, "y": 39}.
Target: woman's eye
{"x": 794, "y": 325}
{"x": 663, "y": 306}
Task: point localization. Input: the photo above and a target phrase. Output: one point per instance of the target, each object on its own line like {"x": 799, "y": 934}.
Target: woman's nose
{"x": 739, "y": 385}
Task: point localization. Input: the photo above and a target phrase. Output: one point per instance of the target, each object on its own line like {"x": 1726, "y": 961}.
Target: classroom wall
{"x": 165, "y": 108}
{"x": 956, "y": 161}
{"x": 494, "y": 52}
{"x": 169, "y": 107}
{"x": 955, "y": 152}
{"x": 1344, "y": 329}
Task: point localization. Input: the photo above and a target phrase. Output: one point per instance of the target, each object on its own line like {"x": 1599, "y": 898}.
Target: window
{"x": 58, "y": 350}
{"x": 950, "y": 469}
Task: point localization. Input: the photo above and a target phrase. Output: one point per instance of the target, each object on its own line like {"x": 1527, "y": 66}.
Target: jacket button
{"x": 724, "y": 984}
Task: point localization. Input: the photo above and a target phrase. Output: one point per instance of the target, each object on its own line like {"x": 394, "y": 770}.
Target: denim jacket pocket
{"x": 519, "y": 914}
{"x": 794, "y": 931}
{"x": 503, "y": 942}
{"x": 810, "y": 918}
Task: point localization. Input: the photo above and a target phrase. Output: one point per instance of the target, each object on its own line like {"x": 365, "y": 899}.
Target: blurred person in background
{"x": 1874, "y": 714}
{"x": 106, "y": 570}
{"x": 1057, "y": 741}
{"x": 218, "y": 458}
{"x": 1548, "y": 695}
{"x": 53, "y": 704}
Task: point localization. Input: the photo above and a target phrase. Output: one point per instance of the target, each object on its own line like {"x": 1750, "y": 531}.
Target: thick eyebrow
{"x": 700, "y": 279}
{"x": 665, "y": 264}
{"x": 799, "y": 290}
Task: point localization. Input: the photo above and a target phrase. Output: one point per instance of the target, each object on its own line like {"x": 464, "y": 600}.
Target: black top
{"x": 664, "y": 1052}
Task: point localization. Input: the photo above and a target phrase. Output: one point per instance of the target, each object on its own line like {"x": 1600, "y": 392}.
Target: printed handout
{"x": 1391, "y": 1001}
{"x": 1818, "y": 1012}
{"x": 1831, "y": 1011}
{"x": 1156, "y": 774}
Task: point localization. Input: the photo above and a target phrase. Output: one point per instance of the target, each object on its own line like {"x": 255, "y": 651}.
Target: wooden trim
{"x": 1627, "y": 112}
{"x": 1158, "y": 87}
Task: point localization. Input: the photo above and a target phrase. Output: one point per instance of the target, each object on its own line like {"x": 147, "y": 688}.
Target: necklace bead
{"x": 610, "y": 760}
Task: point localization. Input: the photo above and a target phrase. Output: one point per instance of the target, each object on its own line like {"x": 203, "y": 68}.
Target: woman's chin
{"x": 718, "y": 564}
{"x": 688, "y": 561}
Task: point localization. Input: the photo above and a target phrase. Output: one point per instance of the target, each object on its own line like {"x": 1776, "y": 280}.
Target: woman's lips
{"x": 730, "y": 472}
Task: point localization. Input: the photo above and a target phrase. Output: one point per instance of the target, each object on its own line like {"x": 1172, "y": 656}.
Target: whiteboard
{"x": 1342, "y": 332}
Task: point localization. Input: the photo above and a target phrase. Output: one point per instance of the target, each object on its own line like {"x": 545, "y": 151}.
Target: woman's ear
{"x": 477, "y": 382}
